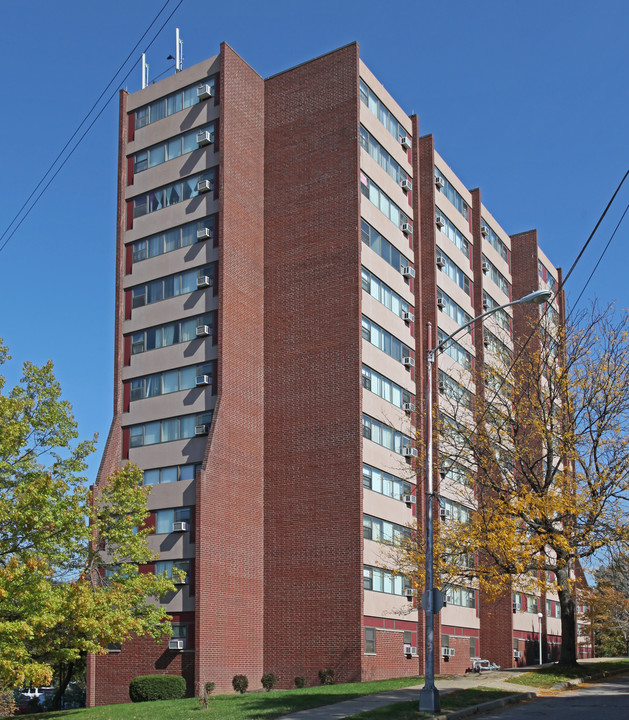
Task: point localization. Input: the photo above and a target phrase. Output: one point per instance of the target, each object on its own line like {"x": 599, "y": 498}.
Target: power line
{"x": 83, "y": 121}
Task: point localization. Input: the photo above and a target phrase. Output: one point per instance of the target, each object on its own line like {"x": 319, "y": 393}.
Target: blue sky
{"x": 527, "y": 100}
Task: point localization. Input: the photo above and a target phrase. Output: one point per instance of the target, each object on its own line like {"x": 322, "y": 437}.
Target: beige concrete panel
{"x": 379, "y": 604}
{"x": 184, "y": 212}
{"x": 384, "y": 317}
{"x": 169, "y": 172}
{"x": 172, "y": 546}
{"x": 379, "y": 89}
{"x": 444, "y": 244}
{"x": 385, "y": 272}
{"x": 387, "y": 413}
{"x": 495, "y": 226}
{"x": 170, "y": 495}
{"x": 494, "y": 256}
{"x": 461, "y": 616}
{"x": 194, "y": 352}
{"x": 186, "y": 258}
{"x": 547, "y": 263}
{"x": 371, "y": 123}
{"x": 449, "y": 326}
{"x": 176, "y": 81}
{"x": 176, "y": 308}
{"x": 185, "y": 402}
{"x": 553, "y": 626}
{"x": 387, "y": 366}
{"x": 448, "y": 173}
{"x": 526, "y": 622}
{"x": 387, "y": 460}
{"x": 386, "y": 508}
{"x": 178, "y": 452}
{"x": 180, "y": 601}
{"x": 497, "y": 294}
{"x": 385, "y": 182}
{"x": 455, "y": 292}
{"x": 455, "y": 217}
{"x": 386, "y": 228}
{"x": 375, "y": 554}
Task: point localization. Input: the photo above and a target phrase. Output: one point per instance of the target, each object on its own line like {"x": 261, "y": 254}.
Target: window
{"x": 384, "y": 340}
{"x": 170, "y": 104}
{"x": 172, "y": 194}
{"x": 161, "y": 431}
{"x": 455, "y": 351}
{"x": 382, "y": 530}
{"x": 545, "y": 275}
{"x": 384, "y": 388}
{"x": 174, "y": 473}
{"x": 453, "y": 195}
{"x": 473, "y": 647}
{"x": 383, "y": 247}
{"x": 380, "y": 580}
{"x": 456, "y": 511}
{"x": 167, "y": 566}
{"x": 379, "y": 109}
{"x": 496, "y": 242}
{"x": 382, "y": 201}
{"x": 170, "y": 381}
{"x": 454, "y": 272}
{"x": 384, "y": 435}
{"x": 454, "y": 390}
{"x": 164, "y": 519}
{"x": 452, "y": 309}
{"x": 384, "y": 483}
{"x": 454, "y": 234}
{"x": 502, "y": 317}
{"x": 381, "y": 156}
{"x": 531, "y": 604}
{"x": 170, "y": 286}
{"x": 497, "y": 347}
{"x": 407, "y": 637}
{"x": 170, "y": 149}
{"x": 463, "y": 597}
{"x": 455, "y": 473}
{"x": 170, "y": 333}
{"x": 383, "y": 293}
{"x": 173, "y": 239}
{"x": 497, "y": 277}
{"x": 370, "y": 641}
{"x": 179, "y": 631}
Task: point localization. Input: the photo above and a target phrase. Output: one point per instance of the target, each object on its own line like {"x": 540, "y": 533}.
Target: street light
{"x": 429, "y": 695}
{"x": 540, "y": 616}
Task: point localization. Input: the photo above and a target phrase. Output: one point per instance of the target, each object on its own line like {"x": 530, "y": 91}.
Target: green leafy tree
{"x": 69, "y": 580}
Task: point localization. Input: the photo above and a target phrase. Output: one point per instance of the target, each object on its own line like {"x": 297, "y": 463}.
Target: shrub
{"x": 269, "y": 681}
{"x": 8, "y": 705}
{"x": 300, "y": 681}
{"x": 208, "y": 689}
{"x": 327, "y": 676}
{"x": 157, "y": 687}
{"x": 240, "y": 683}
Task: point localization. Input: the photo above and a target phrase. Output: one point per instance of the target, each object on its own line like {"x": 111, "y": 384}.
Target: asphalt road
{"x": 605, "y": 700}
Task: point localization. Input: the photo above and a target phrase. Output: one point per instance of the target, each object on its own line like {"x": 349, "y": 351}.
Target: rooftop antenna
{"x": 145, "y": 72}
{"x": 178, "y": 52}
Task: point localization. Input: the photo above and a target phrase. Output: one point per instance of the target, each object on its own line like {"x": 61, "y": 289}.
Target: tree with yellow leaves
{"x": 541, "y": 462}
{"x": 69, "y": 580}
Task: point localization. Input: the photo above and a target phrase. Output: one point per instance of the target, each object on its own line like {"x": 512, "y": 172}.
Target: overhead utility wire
{"x": 74, "y": 134}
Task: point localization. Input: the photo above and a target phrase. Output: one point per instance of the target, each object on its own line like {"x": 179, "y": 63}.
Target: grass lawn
{"x": 549, "y": 676}
{"x": 250, "y": 706}
{"x": 452, "y": 701}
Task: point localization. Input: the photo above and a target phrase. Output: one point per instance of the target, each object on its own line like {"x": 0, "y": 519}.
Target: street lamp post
{"x": 539, "y": 617}
{"x": 429, "y": 695}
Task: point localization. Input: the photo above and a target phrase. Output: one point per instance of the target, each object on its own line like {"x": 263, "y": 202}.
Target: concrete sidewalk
{"x": 495, "y": 679}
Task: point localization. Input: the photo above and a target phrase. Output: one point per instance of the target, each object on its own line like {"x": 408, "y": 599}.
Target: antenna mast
{"x": 145, "y": 72}
{"x": 178, "y": 52}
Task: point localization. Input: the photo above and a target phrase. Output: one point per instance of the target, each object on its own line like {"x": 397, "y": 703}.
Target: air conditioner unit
{"x": 407, "y": 185}
{"x": 486, "y": 342}
{"x": 484, "y": 267}
{"x": 203, "y": 281}
{"x": 203, "y": 330}
{"x": 182, "y": 581}
{"x": 202, "y": 380}
{"x": 439, "y": 182}
{"x": 447, "y": 651}
{"x": 176, "y": 644}
{"x": 440, "y": 220}
{"x": 204, "y": 92}
{"x": 517, "y": 654}
{"x": 405, "y": 142}
{"x": 484, "y": 230}
{"x": 441, "y": 303}
{"x": 408, "y": 407}
{"x": 406, "y": 228}
{"x": 204, "y": 186}
{"x": 180, "y": 527}
{"x": 408, "y": 361}
{"x": 410, "y": 592}
{"x": 441, "y": 261}
{"x": 204, "y": 137}
{"x": 408, "y": 271}
{"x": 204, "y": 233}
{"x": 409, "y": 452}
{"x": 409, "y": 499}
{"x": 486, "y": 305}
{"x": 442, "y": 386}
{"x": 410, "y": 650}
{"x": 200, "y": 429}
{"x": 444, "y": 514}
{"x": 407, "y": 316}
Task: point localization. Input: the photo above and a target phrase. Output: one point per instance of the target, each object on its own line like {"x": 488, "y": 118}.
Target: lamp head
{"x": 537, "y": 297}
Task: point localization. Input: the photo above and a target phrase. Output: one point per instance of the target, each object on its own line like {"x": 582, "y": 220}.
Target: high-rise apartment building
{"x": 281, "y": 245}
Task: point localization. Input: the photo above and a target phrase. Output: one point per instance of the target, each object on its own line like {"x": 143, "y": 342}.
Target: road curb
{"x": 588, "y": 678}
{"x": 486, "y": 706}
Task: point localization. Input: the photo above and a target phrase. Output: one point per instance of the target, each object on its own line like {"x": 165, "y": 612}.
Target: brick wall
{"x": 229, "y": 516}
{"x": 313, "y": 435}
{"x": 496, "y": 629}
{"x": 460, "y": 661}
{"x": 390, "y": 660}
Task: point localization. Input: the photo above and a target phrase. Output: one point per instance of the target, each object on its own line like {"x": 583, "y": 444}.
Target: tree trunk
{"x": 64, "y": 680}
{"x": 568, "y": 657}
